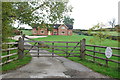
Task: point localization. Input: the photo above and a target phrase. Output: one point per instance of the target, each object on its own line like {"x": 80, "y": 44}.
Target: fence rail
{"x": 101, "y": 52}
{"x": 8, "y": 54}
{"x": 9, "y": 49}
{"x": 102, "y": 58}
{"x": 51, "y": 49}
{"x": 103, "y": 47}
{"x": 48, "y": 46}
{"x": 51, "y": 41}
{"x": 51, "y": 56}
{"x": 98, "y": 52}
{"x": 11, "y": 43}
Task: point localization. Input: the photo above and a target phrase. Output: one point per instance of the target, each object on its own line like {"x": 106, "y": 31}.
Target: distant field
{"x": 27, "y": 32}
{"x": 112, "y": 33}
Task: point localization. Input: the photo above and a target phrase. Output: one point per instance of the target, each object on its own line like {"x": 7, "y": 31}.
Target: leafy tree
{"x": 32, "y": 12}
{"x": 117, "y": 28}
{"x": 7, "y": 12}
{"x": 42, "y": 12}
{"x": 99, "y": 35}
{"x": 68, "y": 20}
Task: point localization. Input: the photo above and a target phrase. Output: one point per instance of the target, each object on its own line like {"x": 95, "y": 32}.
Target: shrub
{"x": 16, "y": 32}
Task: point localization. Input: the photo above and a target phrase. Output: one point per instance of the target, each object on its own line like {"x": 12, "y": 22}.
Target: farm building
{"x": 56, "y": 29}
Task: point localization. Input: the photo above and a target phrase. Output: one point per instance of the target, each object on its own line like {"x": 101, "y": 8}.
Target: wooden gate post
{"x": 82, "y": 48}
{"x": 23, "y": 36}
{"x": 53, "y": 49}
{"x": 20, "y": 48}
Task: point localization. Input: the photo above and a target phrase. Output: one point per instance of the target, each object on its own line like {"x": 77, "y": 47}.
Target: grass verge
{"x": 14, "y": 64}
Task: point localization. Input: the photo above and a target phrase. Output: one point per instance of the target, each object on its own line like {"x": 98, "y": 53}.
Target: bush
{"x": 117, "y": 27}
{"x": 16, "y": 32}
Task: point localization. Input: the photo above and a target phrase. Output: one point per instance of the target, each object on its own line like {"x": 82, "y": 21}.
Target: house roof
{"x": 55, "y": 26}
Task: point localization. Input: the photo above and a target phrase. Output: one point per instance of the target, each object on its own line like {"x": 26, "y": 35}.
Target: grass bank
{"x": 14, "y": 64}
{"x": 112, "y": 33}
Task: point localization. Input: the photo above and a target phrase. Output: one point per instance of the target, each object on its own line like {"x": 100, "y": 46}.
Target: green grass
{"x": 112, "y": 33}
{"x": 16, "y": 63}
{"x": 111, "y": 71}
{"x": 27, "y": 32}
{"x": 11, "y": 40}
{"x": 107, "y": 42}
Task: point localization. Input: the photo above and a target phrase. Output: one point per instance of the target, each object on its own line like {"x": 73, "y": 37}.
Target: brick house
{"x": 57, "y": 29}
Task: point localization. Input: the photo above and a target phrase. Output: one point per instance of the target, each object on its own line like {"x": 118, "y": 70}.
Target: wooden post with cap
{"x": 20, "y": 48}
{"x": 82, "y": 48}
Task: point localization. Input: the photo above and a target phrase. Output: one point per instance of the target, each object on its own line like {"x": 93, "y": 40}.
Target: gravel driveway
{"x": 52, "y": 67}
{"x": 31, "y": 37}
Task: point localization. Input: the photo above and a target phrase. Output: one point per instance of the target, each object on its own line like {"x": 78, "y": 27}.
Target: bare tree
{"x": 112, "y": 22}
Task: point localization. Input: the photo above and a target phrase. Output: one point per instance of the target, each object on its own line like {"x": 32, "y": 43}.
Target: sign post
{"x": 108, "y": 54}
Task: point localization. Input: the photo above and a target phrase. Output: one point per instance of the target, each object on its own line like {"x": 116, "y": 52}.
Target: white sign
{"x": 108, "y": 52}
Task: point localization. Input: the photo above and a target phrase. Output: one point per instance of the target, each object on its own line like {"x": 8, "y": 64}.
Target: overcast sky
{"x": 88, "y": 13}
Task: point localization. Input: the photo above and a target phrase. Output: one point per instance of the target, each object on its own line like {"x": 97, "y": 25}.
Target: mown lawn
{"x": 27, "y": 32}
{"x": 107, "y": 42}
{"x": 111, "y": 71}
{"x": 14, "y": 64}
{"x": 112, "y": 33}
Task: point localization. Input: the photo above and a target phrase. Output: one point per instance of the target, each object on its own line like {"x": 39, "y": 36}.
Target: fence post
{"x": 106, "y": 62}
{"x": 8, "y": 52}
{"x": 82, "y": 48}
{"x": 52, "y": 49}
{"x": 23, "y": 36}
{"x": 94, "y": 55}
{"x": 38, "y": 49}
{"x": 66, "y": 49}
{"x": 20, "y": 48}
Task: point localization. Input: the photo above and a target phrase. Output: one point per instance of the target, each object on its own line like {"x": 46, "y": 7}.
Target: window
{"x": 55, "y": 33}
{"x": 34, "y": 32}
{"x": 42, "y": 31}
{"x": 63, "y": 32}
{"x": 69, "y": 32}
{"x": 62, "y": 27}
